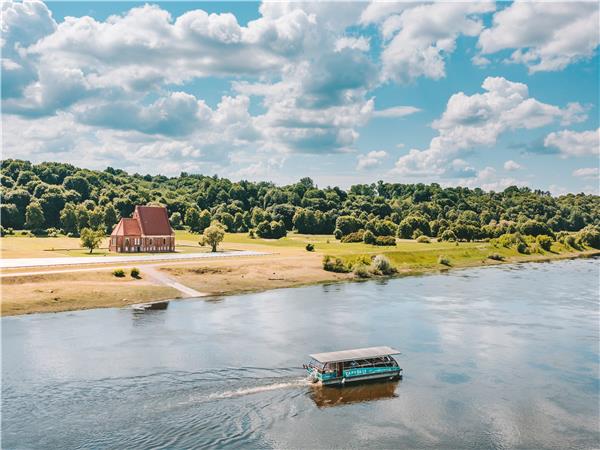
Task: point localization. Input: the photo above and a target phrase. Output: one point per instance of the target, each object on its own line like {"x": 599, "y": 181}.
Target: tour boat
{"x": 348, "y": 366}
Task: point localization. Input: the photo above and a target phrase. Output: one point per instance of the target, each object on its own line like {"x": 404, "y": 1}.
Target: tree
{"x": 91, "y": 238}
{"x": 83, "y": 217}
{"x": 9, "y": 216}
{"x": 78, "y": 184}
{"x": 204, "y": 220}
{"x": 214, "y": 235}
{"x": 175, "y": 220}
{"x": 34, "y": 217}
{"x": 192, "y": 219}
{"x": 348, "y": 224}
{"x": 68, "y": 219}
{"x": 97, "y": 218}
{"x": 110, "y": 217}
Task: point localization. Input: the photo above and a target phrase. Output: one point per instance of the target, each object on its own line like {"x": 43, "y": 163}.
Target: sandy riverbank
{"x": 49, "y": 291}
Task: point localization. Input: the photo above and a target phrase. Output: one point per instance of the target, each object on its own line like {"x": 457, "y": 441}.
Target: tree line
{"x": 55, "y": 197}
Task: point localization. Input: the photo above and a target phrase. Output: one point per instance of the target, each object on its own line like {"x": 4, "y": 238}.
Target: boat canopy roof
{"x": 350, "y": 355}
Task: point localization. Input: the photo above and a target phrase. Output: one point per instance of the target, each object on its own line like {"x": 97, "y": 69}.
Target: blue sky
{"x": 473, "y": 94}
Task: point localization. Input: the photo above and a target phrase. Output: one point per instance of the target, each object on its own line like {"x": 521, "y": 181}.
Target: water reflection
{"x": 336, "y": 396}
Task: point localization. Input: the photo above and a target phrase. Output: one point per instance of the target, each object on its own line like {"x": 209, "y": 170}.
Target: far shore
{"x": 287, "y": 264}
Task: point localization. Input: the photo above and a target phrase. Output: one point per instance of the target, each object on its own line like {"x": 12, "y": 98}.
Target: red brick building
{"x": 148, "y": 230}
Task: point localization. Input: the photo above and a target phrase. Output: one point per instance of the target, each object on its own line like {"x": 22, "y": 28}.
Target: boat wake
{"x": 300, "y": 382}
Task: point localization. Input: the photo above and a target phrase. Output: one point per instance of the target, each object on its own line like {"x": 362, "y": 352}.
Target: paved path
{"x": 13, "y": 263}
{"x": 168, "y": 281}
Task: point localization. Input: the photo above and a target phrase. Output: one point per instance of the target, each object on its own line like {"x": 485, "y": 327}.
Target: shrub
{"x": 571, "y": 241}
{"x": 119, "y": 273}
{"x": 423, "y": 239}
{"x": 444, "y": 260}
{"x": 135, "y": 272}
{"x": 251, "y": 234}
{"x": 310, "y": 247}
{"x": 9, "y": 231}
{"x": 417, "y": 233}
{"x": 369, "y": 238}
{"x": 448, "y": 235}
{"x": 544, "y": 241}
{"x": 361, "y": 271}
{"x": 381, "y": 264}
{"x": 511, "y": 239}
{"x": 496, "y": 257}
{"x": 52, "y": 232}
{"x": 523, "y": 248}
{"x": 337, "y": 234}
{"x": 331, "y": 264}
{"x": 385, "y": 240}
{"x": 590, "y": 236}
{"x": 357, "y": 236}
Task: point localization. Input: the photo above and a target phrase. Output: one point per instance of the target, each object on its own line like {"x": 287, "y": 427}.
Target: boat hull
{"x": 364, "y": 378}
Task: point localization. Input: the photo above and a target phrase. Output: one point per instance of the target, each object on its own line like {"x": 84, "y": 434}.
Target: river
{"x": 494, "y": 357}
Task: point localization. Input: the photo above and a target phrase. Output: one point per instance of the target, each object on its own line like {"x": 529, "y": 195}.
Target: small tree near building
{"x": 214, "y": 235}
{"x": 91, "y": 238}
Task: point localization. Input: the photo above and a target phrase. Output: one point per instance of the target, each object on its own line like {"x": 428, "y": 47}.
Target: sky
{"x": 477, "y": 94}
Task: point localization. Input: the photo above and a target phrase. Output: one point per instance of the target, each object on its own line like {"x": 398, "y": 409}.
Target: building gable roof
{"x": 153, "y": 220}
{"x": 127, "y": 227}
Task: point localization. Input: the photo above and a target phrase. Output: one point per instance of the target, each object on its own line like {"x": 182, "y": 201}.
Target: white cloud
{"x": 587, "y": 172}
{"x": 417, "y": 39}
{"x": 488, "y": 180}
{"x": 546, "y": 35}
{"x": 396, "y": 111}
{"x": 511, "y": 165}
{"x": 478, "y": 120}
{"x": 370, "y": 160}
{"x": 356, "y": 43}
{"x": 573, "y": 143}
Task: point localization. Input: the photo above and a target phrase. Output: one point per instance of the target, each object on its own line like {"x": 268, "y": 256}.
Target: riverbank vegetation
{"x": 50, "y": 198}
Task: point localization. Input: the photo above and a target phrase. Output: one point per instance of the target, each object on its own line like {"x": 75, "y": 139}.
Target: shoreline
{"x": 223, "y": 277}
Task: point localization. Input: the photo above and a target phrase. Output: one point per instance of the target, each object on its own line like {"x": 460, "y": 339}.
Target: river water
{"x": 496, "y": 357}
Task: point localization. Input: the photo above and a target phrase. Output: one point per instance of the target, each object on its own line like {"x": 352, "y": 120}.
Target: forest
{"x": 51, "y": 198}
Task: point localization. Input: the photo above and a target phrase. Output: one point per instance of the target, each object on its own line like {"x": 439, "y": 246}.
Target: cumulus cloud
{"x": 587, "y": 172}
{"x": 477, "y": 120}
{"x": 418, "y": 38}
{"x": 396, "y": 111}
{"x": 573, "y": 143}
{"x": 356, "y": 43}
{"x": 370, "y": 160}
{"x": 546, "y": 35}
{"x": 511, "y": 165}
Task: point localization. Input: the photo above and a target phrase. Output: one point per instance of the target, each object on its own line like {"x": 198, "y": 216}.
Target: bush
{"x": 52, "y": 232}
{"x": 9, "y": 231}
{"x": 385, "y": 240}
{"x": 448, "y": 235}
{"x": 444, "y": 260}
{"x": 571, "y": 241}
{"x": 135, "y": 272}
{"x": 423, "y": 239}
{"x": 357, "y": 236}
{"x": 417, "y": 233}
{"x": 544, "y": 241}
{"x": 496, "y": 257}
{"x": 523, "y": 248}
{"x": 369, "y": 237}
{"x": 310, "y": 247}
{"x": 331, "y": 264}
{"x": 511, "y": 239}
{"x": 251, "y": 234}
{"x": 381, "y": 264}
{"x": 337, "y": 234}
{"x": 361, "y": 271}
{"x": 590, "y": 236}
{"x": 119, "y": 273}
